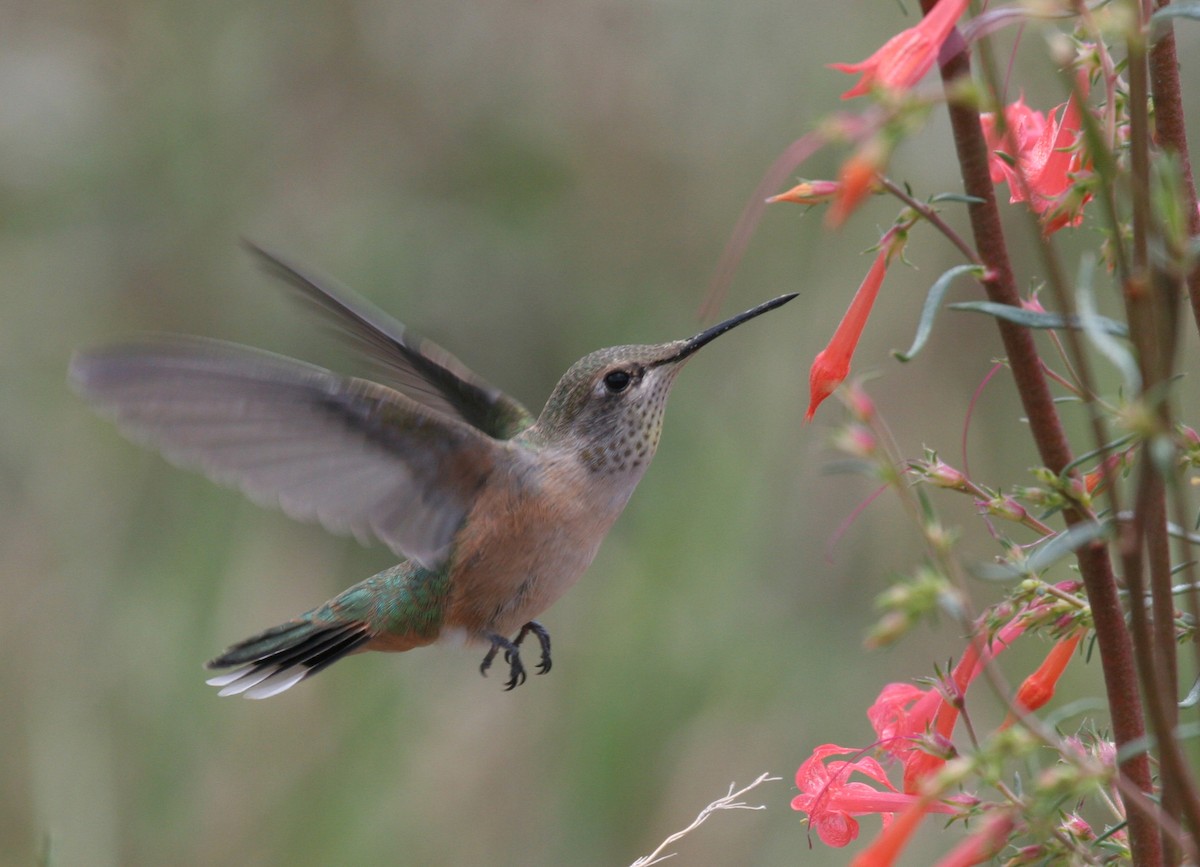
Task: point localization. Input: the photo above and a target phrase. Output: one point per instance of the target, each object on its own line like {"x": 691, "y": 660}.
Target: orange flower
{"x": 908, "y": 55}
{"x": 1096, "y": 481}
{"x": 832, "y": 364}
{"x": 856, "y": 180}
{"x": 808, "y": 193}
{"x": 1038, "y": 688}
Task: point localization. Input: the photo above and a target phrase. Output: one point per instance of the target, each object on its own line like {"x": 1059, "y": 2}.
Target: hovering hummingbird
{"x": 497, "y": 513}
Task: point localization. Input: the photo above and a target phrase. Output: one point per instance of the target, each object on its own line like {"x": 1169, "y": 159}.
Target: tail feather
{"x": 275, "y": 660}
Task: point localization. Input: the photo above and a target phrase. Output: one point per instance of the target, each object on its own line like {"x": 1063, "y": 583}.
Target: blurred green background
{"x": 522, "y": 182}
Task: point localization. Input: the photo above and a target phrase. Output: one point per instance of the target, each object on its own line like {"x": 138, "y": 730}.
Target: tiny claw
{"x": 543, "y": 637}
{"x": 512, "y": 656}
{"x": 517, "y": 672}
{"x": 487, "y": 660}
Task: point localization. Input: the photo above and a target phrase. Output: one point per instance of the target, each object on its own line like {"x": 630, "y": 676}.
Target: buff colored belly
{"x": 522, "y": 547}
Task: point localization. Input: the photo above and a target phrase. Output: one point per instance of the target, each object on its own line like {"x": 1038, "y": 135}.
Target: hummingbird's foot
{"x": 516, "y": 670}
{"x": 543, "y": 638}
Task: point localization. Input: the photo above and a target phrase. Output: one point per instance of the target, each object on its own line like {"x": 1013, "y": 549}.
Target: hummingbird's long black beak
{"x": 710, "y": 334}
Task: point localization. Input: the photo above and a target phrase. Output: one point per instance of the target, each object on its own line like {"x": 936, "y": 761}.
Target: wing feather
{"x": 354, "y": 456}
{"x": 421, "y": 369}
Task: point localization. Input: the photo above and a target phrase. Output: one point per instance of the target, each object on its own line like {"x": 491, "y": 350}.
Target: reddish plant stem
{"x": 1171, "y": 134}
{"x": 1116, "y": 653}
{"x": 1146, "y": 536}
{"x": 1152, "y": 296}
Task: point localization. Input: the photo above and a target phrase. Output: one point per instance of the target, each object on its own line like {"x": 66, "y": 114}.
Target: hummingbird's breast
{"x": 532, "y": 532}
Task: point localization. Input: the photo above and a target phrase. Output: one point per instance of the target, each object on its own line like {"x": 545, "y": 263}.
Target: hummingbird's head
{"x": 610, "y": 403}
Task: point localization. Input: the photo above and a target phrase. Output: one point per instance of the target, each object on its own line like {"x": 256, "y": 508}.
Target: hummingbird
{"x": 496, "y": 513}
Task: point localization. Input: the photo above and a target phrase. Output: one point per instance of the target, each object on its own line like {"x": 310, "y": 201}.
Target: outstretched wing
{"x": 353, "y": 455}
{"x": 421, "y": 369}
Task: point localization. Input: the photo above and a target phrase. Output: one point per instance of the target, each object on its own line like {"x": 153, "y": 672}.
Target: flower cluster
{"x": 915, "y": 729}
{"x": 1040, "y": 157}
{"x": 1119, "y": 510}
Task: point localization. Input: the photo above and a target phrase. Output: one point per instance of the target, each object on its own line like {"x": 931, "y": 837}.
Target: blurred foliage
{"x": 522, "y": 182}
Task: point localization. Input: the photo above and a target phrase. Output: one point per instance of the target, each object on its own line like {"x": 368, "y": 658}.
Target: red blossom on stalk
{"x": 901, "y": 712}
{"x": 832, "y": 800}
{"x": 905, "y": 716}
{"x": 1040, "y": 160}
{"x": 914, "y": 726}
{"x": 918, "y": 764}
{"x": 832, "y": 364}
{"x": 905, "y": 58}
{"x": 1038, "y": 688}
{"x": 1023, "y": 129}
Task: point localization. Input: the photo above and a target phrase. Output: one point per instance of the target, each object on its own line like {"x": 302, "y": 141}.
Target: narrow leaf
{"x": 1047, "y": 555}
{"x": 1066, "y": 542}
{"x": 1036, "y": 319}
{"x": 1108, "y": 448}
{"x": 1159, "y": 21}
{"x": 1193, "y": 697}
{"x": 932, "y": 302}
{"x": 961, "y": 198}
{"x": 1186, "y": 9}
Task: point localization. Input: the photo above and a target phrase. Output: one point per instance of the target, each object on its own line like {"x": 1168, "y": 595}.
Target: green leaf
{"x": 1064, "y": 543}
{"x": 1193, "y": 697}
{"x": 1189, "y": 9}
{"x": 961, "y": 198}
{"x": 1161, "y": 20}
{"x": 1178, "y": 10}
{"x": 1036, "y": 319}
{"x": 932, "y": 302}
{"x": 1108, "y": 448}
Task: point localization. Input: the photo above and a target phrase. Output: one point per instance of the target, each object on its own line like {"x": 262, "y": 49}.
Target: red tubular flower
{"x": 1038, "y": 157}
{"x": 904, "y": 716}
{"x": 1024, "y": 127}
{"x": 832, "y": 364}
{"x": 832, "y": 800}
{"x": 901, "y": 713}
{"x": 906, "y": 57}
{"x": 1038, "y": 688}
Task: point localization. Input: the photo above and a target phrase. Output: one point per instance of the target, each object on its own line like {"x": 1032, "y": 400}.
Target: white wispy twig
{"x": 726, "y": 803}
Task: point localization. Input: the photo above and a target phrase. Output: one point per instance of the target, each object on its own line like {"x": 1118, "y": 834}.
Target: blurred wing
{"x": 421, "y": 369}
{"x": 355, "y": 456}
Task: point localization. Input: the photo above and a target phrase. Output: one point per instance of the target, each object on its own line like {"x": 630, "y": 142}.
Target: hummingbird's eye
{"x": 616, "y": 381}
